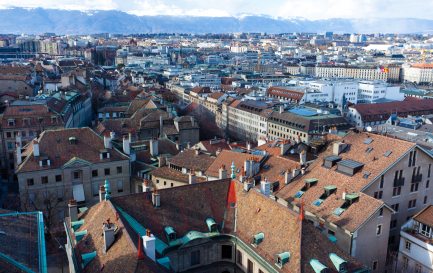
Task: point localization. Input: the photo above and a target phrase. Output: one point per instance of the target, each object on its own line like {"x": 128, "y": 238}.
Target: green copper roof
{"x": 317, "y": 266}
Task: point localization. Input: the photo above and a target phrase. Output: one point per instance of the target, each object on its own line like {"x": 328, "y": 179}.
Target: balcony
{"x": 415, "y": 234}
{"x": 399, "y": 182}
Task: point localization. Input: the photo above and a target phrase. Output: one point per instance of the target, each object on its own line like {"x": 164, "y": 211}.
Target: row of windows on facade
{"x": 75, "y": 175}
{"x": 27, "y": 121}
{"x": 405, "y": 265}
{"x": 23, "y": 134}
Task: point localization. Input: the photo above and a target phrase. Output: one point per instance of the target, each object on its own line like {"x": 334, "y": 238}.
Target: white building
{"x": 418, "y": 73}
{"x": 416, "y": 243}
{"x": 369, "y": 91}
{"x": 212, "y": 81}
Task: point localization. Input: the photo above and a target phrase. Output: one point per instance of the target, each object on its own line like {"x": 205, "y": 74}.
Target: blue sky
{"x": 310, "y": 9}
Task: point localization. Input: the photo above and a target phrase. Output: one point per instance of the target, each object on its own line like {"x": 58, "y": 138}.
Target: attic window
{"x": 338, "y": 262}
{"x": 309, "y": 182}
{"x": 44, "y": 162}
{"x": 170, "y": 233}
{"x": 282, "y": 259}
{"x": 328, "y": 190}
{"x": 331, "y": 160}
{"x": 258, "y": 238}
{"x": 104, "y": 154}
{"x": 349, "y": 200}
{"x": 11, "y": 122}
{"x": 73, "y": 140}
{"x": 349, "y": 167}
{"x": 212, "y": 225}
{"x": 318, "y": 267}
{"x": 387, "y": 153}
{"x": 368, "y": 140}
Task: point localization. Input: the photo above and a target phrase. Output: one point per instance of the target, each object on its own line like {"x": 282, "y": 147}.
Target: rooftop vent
{"x": 328, "y": 190}
{"x": 369, "y": 150}
{"x": 349, "y": 167}
{"x": 282, "y": 259}
{"x": 349, "y": 200}
{"x": 309, "y": 182}
{"x": 365, "y": 174}
{"x": 258, "y": 238}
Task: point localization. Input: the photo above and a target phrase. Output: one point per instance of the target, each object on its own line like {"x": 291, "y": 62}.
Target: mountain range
{"x": 39, "y": 20}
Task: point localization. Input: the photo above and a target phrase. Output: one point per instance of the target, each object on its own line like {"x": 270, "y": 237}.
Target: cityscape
{"x": 216, "y": 136}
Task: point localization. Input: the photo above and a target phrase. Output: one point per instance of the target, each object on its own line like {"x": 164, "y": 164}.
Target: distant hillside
{"x": 19, "y": 20}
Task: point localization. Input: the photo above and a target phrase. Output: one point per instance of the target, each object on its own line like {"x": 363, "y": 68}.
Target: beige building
{"x": 418, "y": 73}
{"x": 69, "y": 164}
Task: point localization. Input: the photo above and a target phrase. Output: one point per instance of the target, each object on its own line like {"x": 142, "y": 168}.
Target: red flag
{"x": 301, "y": 211}
{"x": 231, "y": 196}
{"x": 140, "y": 253}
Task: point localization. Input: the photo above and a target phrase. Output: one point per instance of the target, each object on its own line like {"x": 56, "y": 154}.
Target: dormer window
{"x": 104, "y": 154}
{"x": 282, "y": 259}
{"x": 338, "y": 262}
{"x": 331, "y": 160}
{"x": 328, "y": 190}
{"x": 212, "y": 225}
{"x": 11, "y": 122}
{"x": 170, "y": 234}
{"x": 53, "y": 119}
{"x": 73, "y": 140}
{"x": 349, "y": 167}
{"x": 44, "y": 162}
{"x": 258, "y": 238}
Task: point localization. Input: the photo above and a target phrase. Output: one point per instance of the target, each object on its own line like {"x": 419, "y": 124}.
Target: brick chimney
{"x": 73, "y": 211}
{"x": 156, "y": 199}
{"x": 222, "y": 172}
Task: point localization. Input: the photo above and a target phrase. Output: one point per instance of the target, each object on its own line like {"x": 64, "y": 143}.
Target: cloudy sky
{"x": 311, "y": 9}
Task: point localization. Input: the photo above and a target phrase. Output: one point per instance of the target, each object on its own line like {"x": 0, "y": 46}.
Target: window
{"x": 429, "y": 170}
{"x": 165, "y": 183}
{"x": 60, "y": 194}
{"x": 107, "y": 171}
{"x": 407, "y": 245}
{"x": 382, "y": 178}
{"x": 105, "y": 155}
{"x": 374, "y": 265}
{"x": 425, "y": 230}
{"x": 8, "y": 135}
{"x": 171, "y": 185}
{"x": 414, "y": 187}
{"x": 412, "y": 204}
{"x": 44, "y": 179}
{"x": 119, "y": 186}
{"x": 418, "y": 268}
{"x": 119, "y": 169}
{"x": 378, "y": 230}
{"x": 226, "y": 252}
{"x": 239, "y": 257}
{"x": 381, "y": 212}
{"x": 195, "y": 257}
{"x": 393, "y": 224}
{"x": 76, "y": 174}
{"x": 427, "y": 184}
{"x": 95, "y": 189}
{"x": 250, "y": 266}
{"x": 30, "y": 182}
{"x": 58, "y": 178}
{"x": 378, "y": 194}
{"x": 396, "y": 191}
{"x": 94, "y": 173}
{"x": 425, "y": 199}
{"x": 395, "y": 207}
{"x": 157, "y": 181}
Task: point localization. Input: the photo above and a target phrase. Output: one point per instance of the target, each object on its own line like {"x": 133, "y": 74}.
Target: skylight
{"x": 368, "y": 140}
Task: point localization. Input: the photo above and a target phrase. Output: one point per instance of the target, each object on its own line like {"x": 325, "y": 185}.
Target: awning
{"x": 78, "y": 192}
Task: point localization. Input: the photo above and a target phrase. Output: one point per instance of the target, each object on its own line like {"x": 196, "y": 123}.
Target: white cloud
{"x": 311, "y": 9}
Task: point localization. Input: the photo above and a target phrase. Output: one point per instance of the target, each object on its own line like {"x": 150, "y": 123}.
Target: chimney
{"x": 73, "y": 212}
{"x": 146, "y": 185}
{"x": 101, "y": 193}
{"x": 248, "y": 146}
{"x": 36, "y": 152}
{"x": 156, "y": 199}
{"x": 295, "y": 173}
{"x": 197, "y": 151}
{"x": 109, "y": 230}
{"x": 303, "y": 158}
{"x": 154, "y": 147}
{"x": 248, "y": 185}
{"x": 130, "y": 137}
{"x": 162, "y": 161}
{"x": 126, "y": 146}
{"x": 161, "y": 125}
{"x": 281, "y": 109}
{"x": 149, "y": 245}
{"x": 191, "y": 177}
{"x": 107, "y": 142}
{"x": 188, "y": 145}
{"x": 19, "y": 154}
{"x": 288, "y": 177}
{"x": 247, "y": 167}
{"x": 18, "y": 140}
{"x": 265, "y": 187}
{"x": 338, "y": 148}
{"x": 344, "y": 194}
{"x": 285, "y": 145}
{"x": 222, "y": 172}
{"x": 112, "y": 135}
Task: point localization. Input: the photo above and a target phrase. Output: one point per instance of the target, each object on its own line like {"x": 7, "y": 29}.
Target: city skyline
{"x": 327, "y": 9}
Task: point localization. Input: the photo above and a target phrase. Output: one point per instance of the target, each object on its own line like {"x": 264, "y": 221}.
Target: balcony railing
{"x": 417, "y": 178}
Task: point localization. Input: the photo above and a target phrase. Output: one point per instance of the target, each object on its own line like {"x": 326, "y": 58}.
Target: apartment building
{"x": 303, "y": 124}
{"x": 245, "y": 120}
{"x": 69, "y": 164}
{"x": 216, "y": 226}
{"x": 374, "y": 167}
{"x": 418, "y": 73}
{"x": 370, "y": 91}
{"x": 416, "y": 243}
